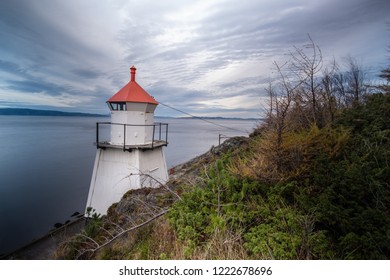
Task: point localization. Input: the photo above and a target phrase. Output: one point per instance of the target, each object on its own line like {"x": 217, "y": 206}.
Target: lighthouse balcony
{"x": 130, "y": 136}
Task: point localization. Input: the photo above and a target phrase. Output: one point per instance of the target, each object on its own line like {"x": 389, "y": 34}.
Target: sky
{"x": 206, "y": 58}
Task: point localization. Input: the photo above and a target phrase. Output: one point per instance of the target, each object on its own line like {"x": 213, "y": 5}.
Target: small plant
{"x": 94, "y": 223}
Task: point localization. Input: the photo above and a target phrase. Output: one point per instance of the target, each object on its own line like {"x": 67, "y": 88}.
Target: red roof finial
{"x": 132, "y": 72}
{"x": 132, "y": 92}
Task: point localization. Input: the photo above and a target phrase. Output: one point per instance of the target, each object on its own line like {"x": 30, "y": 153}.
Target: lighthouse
{"x": 132, "y": 157}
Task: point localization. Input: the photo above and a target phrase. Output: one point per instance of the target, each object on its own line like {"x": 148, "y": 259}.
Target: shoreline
{"x": 44, "y": 247}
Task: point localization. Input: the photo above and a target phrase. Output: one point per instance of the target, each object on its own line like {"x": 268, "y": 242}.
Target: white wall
{"x": 116, "y": 172}
{"x": 153, "y": 163}
{"x": 135, "y": 135}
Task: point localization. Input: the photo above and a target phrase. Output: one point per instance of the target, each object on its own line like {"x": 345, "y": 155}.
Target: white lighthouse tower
{"x": 133, "y": 156}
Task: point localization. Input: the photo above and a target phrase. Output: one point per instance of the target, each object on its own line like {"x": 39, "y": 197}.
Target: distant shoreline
{"x": 37, "y": 112}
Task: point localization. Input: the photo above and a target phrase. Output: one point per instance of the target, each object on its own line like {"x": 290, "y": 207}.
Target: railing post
{"x": 154, "y": 129}
{"x": 166, "y": 133}
{"x": 159, "y": 132}
{"x": 124, "y": 137}
{"x": 97, "y": 135}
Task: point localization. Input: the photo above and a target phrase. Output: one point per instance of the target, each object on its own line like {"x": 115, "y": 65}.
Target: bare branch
{"x": 157, "y": 181}
{"x": 131, "y": 229}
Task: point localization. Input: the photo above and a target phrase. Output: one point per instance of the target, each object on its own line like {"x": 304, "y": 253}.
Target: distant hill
{"x": 34, "y": 112}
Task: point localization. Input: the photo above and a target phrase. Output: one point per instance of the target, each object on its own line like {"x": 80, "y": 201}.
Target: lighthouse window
{"x": 120, "y": 106}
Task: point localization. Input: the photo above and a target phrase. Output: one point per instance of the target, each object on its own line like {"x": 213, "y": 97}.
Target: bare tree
{"x": 280, "y": 101}
{"x": 298, "y": 93}
{"x": 355, "y": 80}
{"x": 306, "y": 94}
{"x": 385, "y": 74}
{"x": 306, "y": 65}
{"x": 329, "y": 93}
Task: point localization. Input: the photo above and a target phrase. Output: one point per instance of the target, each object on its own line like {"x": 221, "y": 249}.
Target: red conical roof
{"x": 132, "y": 92}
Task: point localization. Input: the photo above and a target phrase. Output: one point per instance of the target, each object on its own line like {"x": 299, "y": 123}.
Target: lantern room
{"x": 132, "y": 115}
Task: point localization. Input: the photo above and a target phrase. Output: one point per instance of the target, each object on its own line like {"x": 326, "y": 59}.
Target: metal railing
{"x": 222, "y": 136}
{"x": 159, "y": 129}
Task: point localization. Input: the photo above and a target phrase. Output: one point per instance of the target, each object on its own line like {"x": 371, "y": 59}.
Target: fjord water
{"x": 46, "y": 165}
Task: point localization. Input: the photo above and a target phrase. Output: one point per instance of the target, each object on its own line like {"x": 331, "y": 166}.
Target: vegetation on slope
{"x": 311, "y": 183}
{"x": 330, "y": 200}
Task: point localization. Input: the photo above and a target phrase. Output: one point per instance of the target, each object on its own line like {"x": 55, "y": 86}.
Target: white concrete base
{"x": 116, "y": 171}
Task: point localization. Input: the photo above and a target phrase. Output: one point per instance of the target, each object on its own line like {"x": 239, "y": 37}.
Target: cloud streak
{"x": 204, "y": 57}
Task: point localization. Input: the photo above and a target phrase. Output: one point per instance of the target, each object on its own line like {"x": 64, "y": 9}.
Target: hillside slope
{"x": 322, "y": 193}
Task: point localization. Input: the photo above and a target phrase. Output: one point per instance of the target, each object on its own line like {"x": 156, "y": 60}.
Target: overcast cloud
{"x": 209, "y": 58}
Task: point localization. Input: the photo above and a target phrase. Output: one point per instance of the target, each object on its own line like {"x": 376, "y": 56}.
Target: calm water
{"x": 46, "y": 166}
